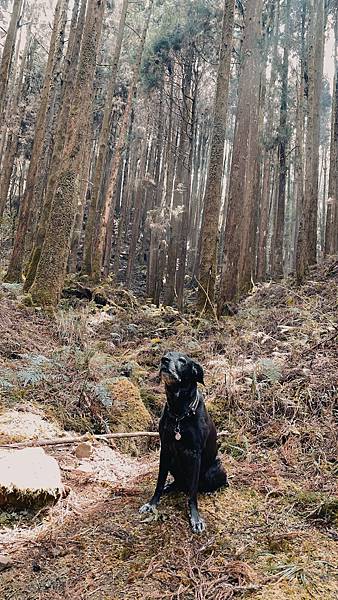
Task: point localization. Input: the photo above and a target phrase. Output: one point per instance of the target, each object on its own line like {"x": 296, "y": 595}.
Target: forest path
{"x": 94, "y": 544}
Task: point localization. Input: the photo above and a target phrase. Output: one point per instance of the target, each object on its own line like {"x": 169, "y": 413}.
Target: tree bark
{"x": 51, "y": 271}
{"x": 307, "y": 236}
{"x": 6, "y": 58}
{"x": 278, "y": 266}
{"x": 240, "y": 208}
{"x": 331, "y": 233}
{"x": 213, "y": 192}
{"x": 17, "y": 112}
{"x": 71, "y": 62}
{"x": 14, "y": 272}
{"x": 102, "y": 149}
{"x": 137, "y": 212}
{"x": 110, "y": 198}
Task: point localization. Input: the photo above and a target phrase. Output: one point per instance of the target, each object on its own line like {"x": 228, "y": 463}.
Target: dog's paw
{"x": 148, "y": 508}
{"x": 198, "y": 525}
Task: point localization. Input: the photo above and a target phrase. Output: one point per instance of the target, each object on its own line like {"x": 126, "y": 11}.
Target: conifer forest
{"x": 167, "y": 145}
{"x": 168, "y": 182}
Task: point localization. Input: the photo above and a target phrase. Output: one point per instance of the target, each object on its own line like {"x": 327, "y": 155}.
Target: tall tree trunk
{"x": 213, "y": 192}
{"x": 14, "y": 272}
{"x": 278, "y": 266}
{"x": 263, "y": 228}
{"x": 17, "y": 113}
{"x": 6, "y": 58}
{"x": 102, "y": 147}
{"x": 242, "y": 177}
{"x": 307, "y": 236}
{"x": 83, "y": 187}
{"x": 179, "y": 191}
{"x": 71, "y": 65}
{"x": 137, "y": 212}
{"x": 155, "y": 219}
{"x": 189, "y": 94}
{"x": 331, "y": 233}
{"x": 53, "y": 107}
{"x": 108, "y": 206}
{"x": 51, "y": 271}
{"x": 299, "y": 153}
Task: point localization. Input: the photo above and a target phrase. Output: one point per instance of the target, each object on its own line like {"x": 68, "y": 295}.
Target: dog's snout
{"x": 168, "y": 367}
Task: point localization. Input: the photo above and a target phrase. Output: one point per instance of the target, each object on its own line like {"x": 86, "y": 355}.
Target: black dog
{"x": 188, "y": 438}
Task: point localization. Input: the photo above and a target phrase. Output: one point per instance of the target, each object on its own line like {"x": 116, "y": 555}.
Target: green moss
{"x": 153, "y": 402}
{"x": 128, "y": 413}
{"x": 32, "y": 267}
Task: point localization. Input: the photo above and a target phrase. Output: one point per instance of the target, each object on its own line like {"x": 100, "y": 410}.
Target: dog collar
{"x": 191, "y": 411}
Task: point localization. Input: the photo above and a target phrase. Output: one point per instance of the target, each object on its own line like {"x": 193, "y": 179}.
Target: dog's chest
{"x": 178, "y": 438}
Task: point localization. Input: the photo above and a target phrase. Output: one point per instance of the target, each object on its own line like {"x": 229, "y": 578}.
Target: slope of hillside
{"x": 271, "y": 383}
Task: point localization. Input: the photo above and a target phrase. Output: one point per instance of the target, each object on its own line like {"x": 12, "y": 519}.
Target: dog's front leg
{"x": 196, "y": 520}
{"x": 162, "y": 477}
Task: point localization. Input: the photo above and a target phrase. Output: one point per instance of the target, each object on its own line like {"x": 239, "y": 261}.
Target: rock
{"x": 29, "y": 478}
{"x": 5, "y": 562}
{"x": 17, "y": 426}
{"x": 84, "y": 450}
{"x": 128, "y": 413}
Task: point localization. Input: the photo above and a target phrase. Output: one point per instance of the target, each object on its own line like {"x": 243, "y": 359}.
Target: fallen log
{"x": 87, "y": 437}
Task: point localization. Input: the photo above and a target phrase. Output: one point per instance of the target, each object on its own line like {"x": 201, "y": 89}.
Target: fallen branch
{"x": 87, "y": 437}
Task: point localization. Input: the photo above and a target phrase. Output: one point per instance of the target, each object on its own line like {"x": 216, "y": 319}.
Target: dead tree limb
{"x": 86, "y": 437}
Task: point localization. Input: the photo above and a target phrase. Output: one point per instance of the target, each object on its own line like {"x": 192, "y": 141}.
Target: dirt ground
{"x": 271, "y": 384}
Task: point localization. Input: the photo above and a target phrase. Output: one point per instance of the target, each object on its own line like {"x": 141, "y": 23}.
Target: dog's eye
{"x": 182, "y": 360}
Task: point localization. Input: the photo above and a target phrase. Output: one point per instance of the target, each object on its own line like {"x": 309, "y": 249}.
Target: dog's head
{"x": 178, "y": 369}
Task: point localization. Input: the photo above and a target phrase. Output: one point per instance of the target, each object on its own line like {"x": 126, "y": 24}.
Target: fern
{"x": 31, "y": 377}
{"x": 5, "y": 385}
{"x": 38, "y": 360}
{"x": 102, "y": 394}
{"x": 269, "y": 369}
{"x": 35, "y": 372}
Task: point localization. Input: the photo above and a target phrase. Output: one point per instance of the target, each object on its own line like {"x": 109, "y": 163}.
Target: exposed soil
{"x": 271, "y": 383}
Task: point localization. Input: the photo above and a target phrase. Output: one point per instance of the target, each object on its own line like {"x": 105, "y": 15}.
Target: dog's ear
{"x": 198, "y": 372}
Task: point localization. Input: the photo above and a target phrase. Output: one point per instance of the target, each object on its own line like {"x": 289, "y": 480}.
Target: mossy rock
{"x": 217, "y": 409}
{"x": 128, "y": 413}
{"x": 153, "y": 402}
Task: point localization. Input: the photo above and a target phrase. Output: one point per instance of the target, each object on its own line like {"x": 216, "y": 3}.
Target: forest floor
{"x": 271, "y": 383}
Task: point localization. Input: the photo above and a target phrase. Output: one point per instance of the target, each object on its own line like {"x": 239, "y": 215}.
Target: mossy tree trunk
{"x": 14, "y": 272}
{"x": 50, "y": 275}
{"x": 71, "y": 65}
{"x": 53, "y": 111}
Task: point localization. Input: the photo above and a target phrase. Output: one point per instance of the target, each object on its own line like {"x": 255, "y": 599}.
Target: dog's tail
{"x": 214, "y": 478}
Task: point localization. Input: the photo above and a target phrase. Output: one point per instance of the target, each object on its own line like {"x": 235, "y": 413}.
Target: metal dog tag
{"x": 177, "y": 435}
